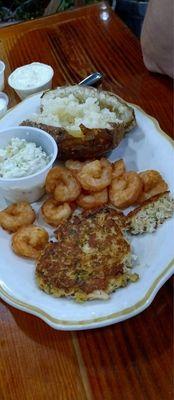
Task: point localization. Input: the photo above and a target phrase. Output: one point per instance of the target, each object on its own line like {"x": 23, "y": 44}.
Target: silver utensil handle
{"x": 92, "y": 79}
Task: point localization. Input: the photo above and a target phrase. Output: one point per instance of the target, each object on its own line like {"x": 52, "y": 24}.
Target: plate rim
{"x": 112, "y": 318}
{"x": 122, "y": 315}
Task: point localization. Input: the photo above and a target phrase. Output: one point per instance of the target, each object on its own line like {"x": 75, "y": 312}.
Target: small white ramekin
{"x": 32, "y": 187}
{"x": 2, "y": 69}
{"x": 23, "y": 93}
{"x": 5, "y": 99}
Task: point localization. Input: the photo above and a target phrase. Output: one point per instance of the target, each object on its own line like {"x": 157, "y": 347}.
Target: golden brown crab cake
{"x": 152, "y": 213}
{"x": 91, "y": 259}
{"x": 98, "y": 214}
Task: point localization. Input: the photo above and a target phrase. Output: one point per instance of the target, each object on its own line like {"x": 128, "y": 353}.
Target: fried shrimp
{"x": 125, "y": 189}
{"x": 153, "y": 184}
{"x": 55, "y": 214}
{"x": 118, "y": 168}
{"x": 96, "y": 175}
{"x": 17, "y": 215}
{"x": 62, "y": 184}
{"x": 93, "y": 200}
{"x": 74, "y": 166}
{"x": 29, "y": 240}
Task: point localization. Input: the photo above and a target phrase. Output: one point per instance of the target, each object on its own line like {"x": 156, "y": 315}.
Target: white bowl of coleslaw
{"x": 26, "y": 156}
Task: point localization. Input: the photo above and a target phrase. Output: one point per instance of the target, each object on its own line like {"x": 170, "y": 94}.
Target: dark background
{"x": 132, "y": 12}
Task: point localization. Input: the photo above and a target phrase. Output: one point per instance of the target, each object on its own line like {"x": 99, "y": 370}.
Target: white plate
{"x": 146, "y": 147}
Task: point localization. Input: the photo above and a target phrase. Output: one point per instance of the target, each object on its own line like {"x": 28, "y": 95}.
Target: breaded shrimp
{"x": 29, "y": 240}
{"x": 74, "y": 166}
{"x": 17, "y": 215}
{"x": 153, "y": 184}
{"x": 96, "y": 175}
{"x": 124, "y": 190}
{"x": 54, "y": 213}
{"x": 61, "y": 183}
{"x": 118, "y": 168}
{"x": 92, "y": 200}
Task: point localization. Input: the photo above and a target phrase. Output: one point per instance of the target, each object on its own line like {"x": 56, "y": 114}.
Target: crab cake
{"x": 99, "y": 214}
{"x": 152, "y": 213}
{"x": 91, "y": 259}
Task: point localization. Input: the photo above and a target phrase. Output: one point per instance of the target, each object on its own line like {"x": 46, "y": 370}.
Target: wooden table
{"x": 131, "y": 360}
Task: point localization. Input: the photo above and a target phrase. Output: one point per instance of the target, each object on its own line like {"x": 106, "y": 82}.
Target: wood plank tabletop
{"x": 131, "y": 360}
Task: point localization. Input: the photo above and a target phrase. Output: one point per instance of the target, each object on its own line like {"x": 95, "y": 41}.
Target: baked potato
{"x": 85, "y": 122}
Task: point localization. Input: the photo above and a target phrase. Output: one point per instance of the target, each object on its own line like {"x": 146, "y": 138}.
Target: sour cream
{"x": 30, "y": 76}
{"x": 21, "y": 158}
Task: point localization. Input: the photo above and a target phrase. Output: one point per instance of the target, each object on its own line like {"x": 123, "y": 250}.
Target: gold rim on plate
{"x": 139, "y": 306}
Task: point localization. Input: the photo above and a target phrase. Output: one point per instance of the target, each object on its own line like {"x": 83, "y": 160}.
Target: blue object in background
{"x": 132, "y": 12}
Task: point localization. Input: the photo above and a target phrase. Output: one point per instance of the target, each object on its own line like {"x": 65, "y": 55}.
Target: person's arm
{"x": 157, "y": 37}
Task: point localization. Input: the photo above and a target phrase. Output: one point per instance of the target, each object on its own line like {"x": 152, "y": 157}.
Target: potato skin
{"x": 96, "y": 142}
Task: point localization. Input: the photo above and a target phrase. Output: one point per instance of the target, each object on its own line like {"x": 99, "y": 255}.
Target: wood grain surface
{"x": 133, "y": 359}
